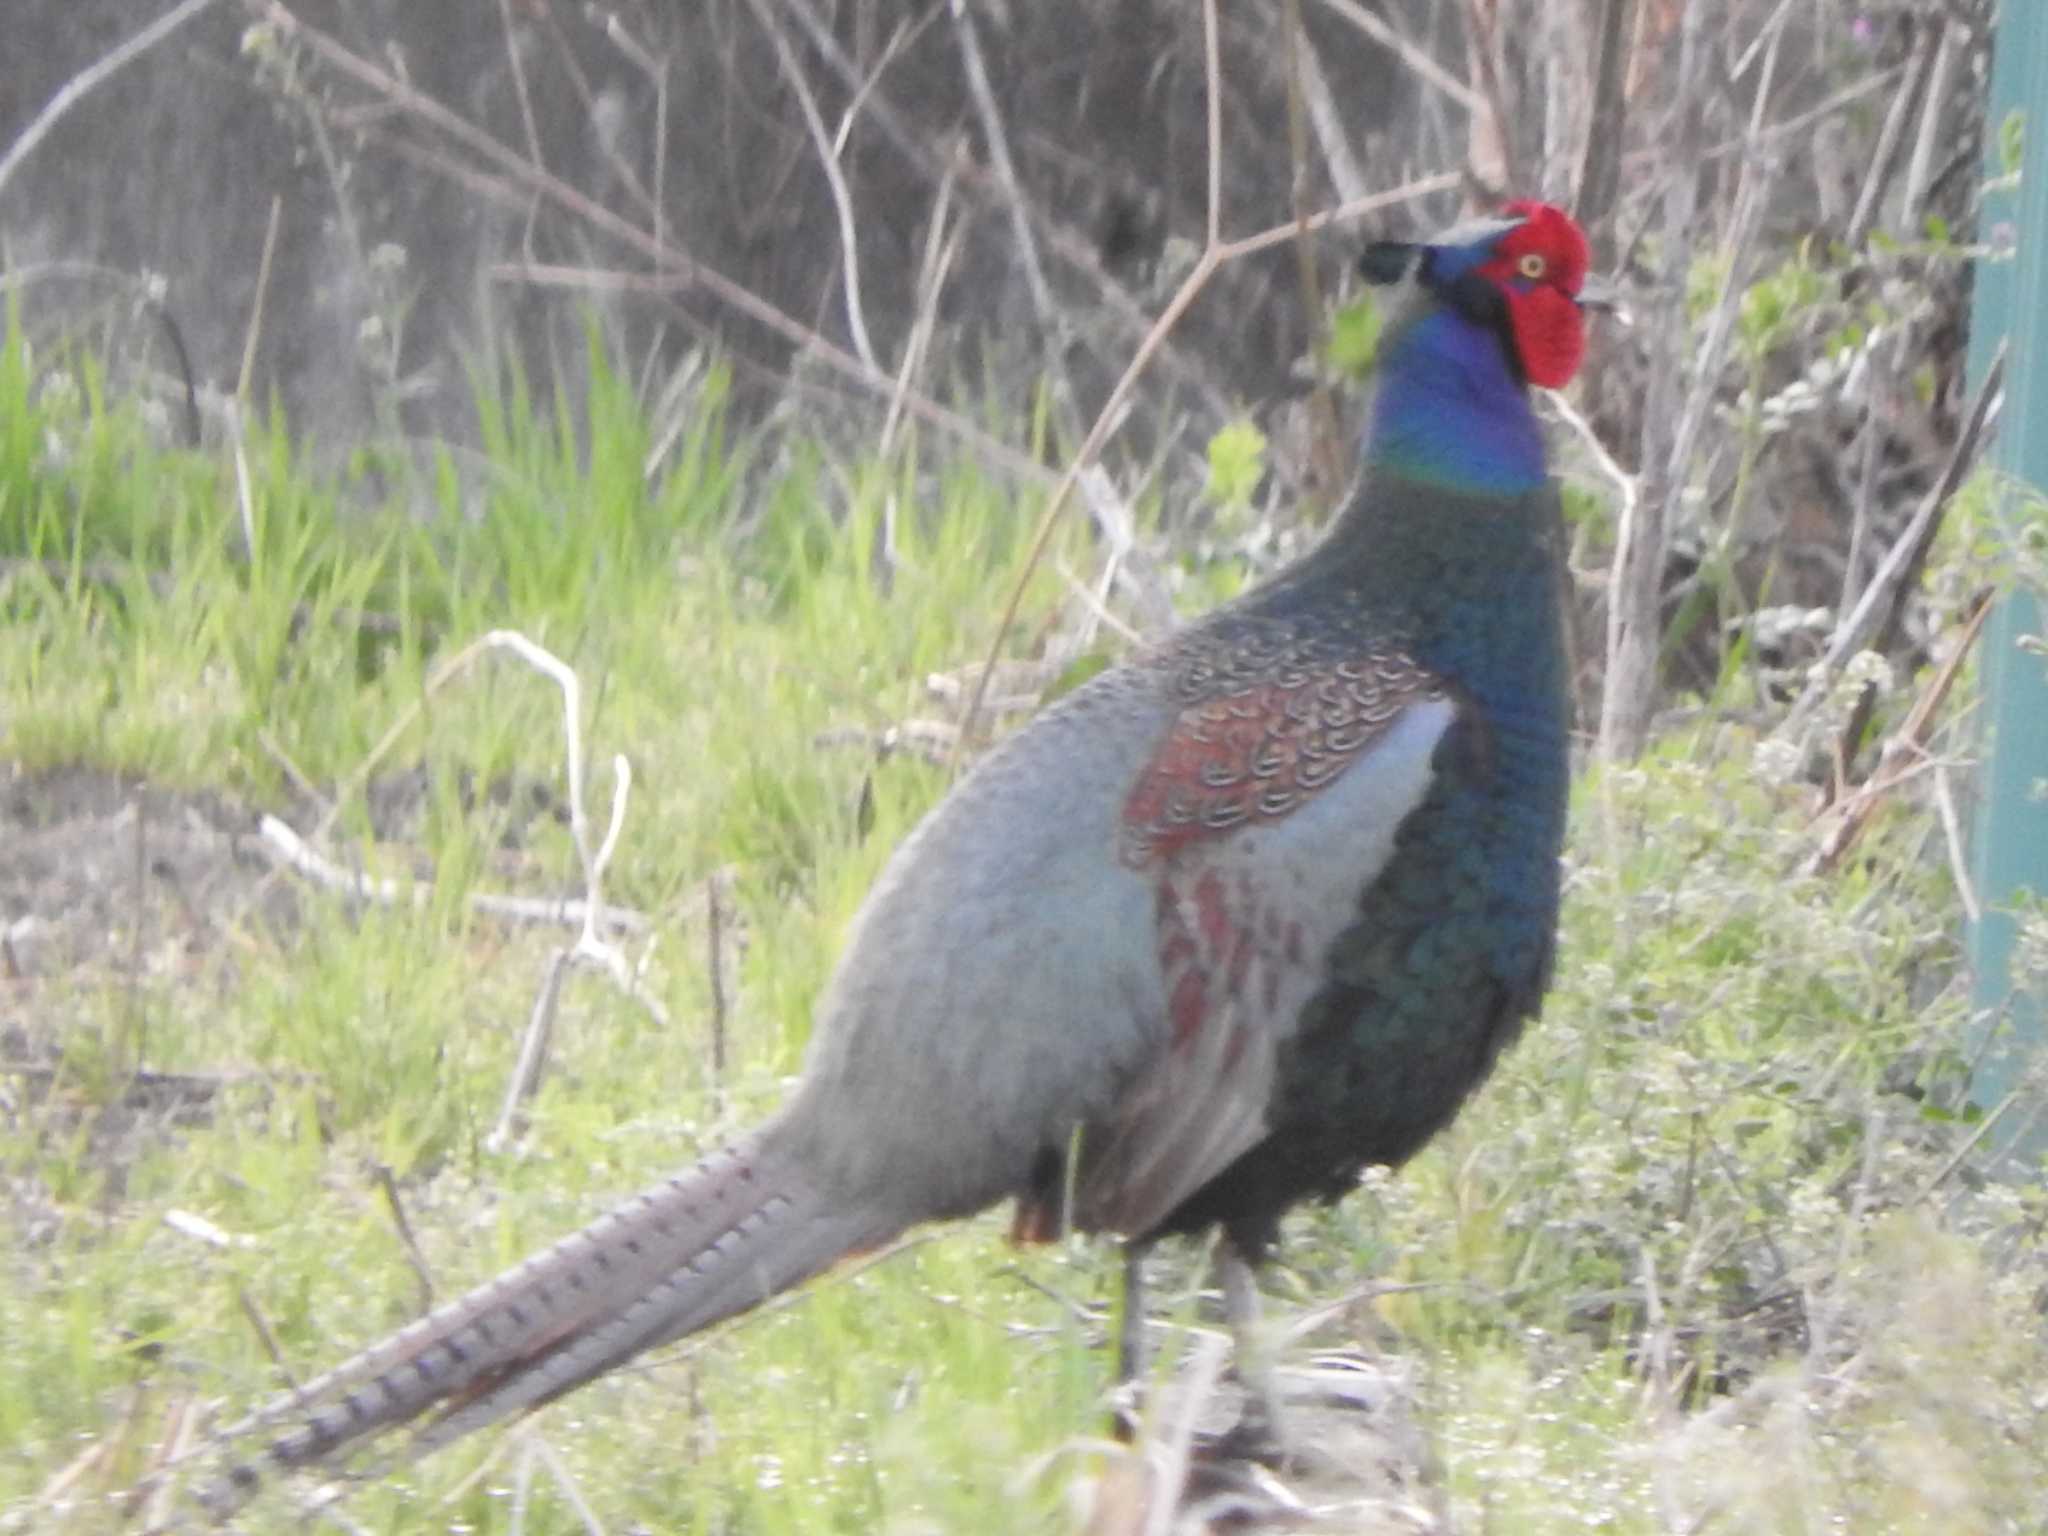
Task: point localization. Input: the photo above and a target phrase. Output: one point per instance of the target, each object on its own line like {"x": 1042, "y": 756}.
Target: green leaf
{"x": 1583, "y": 508}
{"x": 1354, "y": 342}
{"x": 1237, "y": 461}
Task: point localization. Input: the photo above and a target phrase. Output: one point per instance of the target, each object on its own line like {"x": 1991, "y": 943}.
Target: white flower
{"x": 1775, "y": 761}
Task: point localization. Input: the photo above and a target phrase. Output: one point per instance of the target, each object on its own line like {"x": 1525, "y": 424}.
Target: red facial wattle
{"x": 1550, "y": 335}
{"x": 1538, "y": 267}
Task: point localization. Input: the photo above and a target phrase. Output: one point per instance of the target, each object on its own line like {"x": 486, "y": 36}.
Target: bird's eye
{"x": 1532, "y": 265}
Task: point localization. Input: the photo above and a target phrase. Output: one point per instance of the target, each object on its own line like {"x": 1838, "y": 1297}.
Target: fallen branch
{"x": 589, "y": 915}
{"x": 298, "y": 855}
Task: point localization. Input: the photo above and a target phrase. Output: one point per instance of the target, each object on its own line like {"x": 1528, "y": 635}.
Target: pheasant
{"x": 1243, "y": 915}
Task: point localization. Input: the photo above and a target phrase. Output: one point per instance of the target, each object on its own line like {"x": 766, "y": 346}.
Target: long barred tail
{"x": 726, "y": 1235}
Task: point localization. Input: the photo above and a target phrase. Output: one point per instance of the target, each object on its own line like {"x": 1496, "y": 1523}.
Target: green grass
{"x": 1672, "y": 1269}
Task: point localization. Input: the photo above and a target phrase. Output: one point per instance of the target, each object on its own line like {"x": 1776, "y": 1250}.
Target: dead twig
{"x": 274, "y": 750}
{"x": 172, "y": 1447}
{"x": 299, "y": 855}
{"x": 1884, "y": 160}
{"x": 930, "y": 740}
{"x": 566, "y": 1484}
{"x": 90, "y": 78}
{"x": 675, "y": 268}
{"x": 1419, "y": 63}
{"x": 984, "y": 98}
{"x": 387, "y": 1186}
{"x": 1309, "y": 94}
{"x": 835, "y": 180}
{"x": 1627, "y": 486}
{"x": 254, "y": 330}
{"x": 267, "y": 1336}
{"x": 1958, "y": 847}
{"x": 1076, "y": 248}
{"x": 1324, "y": 115}
{"x": 51, "y": 1495}
{"x": 1937, "y": 124}
{"x": 533, "y": 1052}
{"x": 1492, "y": 164}
{"x": 1600, "y": 170}
{"x": 1176, "y": 1449}
{"x": 193, "y": 1086}
{"x": 1905, "y": 745}
{"x": 591, "y": 946}
{"x": 1677, "y": 412}
{"x": 1876, "y": 611}
{"x": 714, "y": 907}
{"x": 941, "y": 246}
{"x": 1971, "y": 1142}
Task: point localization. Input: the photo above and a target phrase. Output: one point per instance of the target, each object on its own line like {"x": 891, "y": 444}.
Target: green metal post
{"x": 2011, "y": 856}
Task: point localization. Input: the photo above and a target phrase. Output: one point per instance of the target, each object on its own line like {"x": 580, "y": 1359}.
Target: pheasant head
{"x": 1479, "y": 313}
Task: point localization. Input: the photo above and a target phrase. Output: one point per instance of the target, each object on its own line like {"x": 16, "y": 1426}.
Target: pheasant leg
{"x": 1256, "y": 1366}
{"x": 1130, "y": 1328}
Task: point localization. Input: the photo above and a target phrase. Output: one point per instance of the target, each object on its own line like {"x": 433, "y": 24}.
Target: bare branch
{"x": 941, "y": 245}
{"x": 1904, "y": 752}
{"x": 1600, "y": 171}
{"x": 1878, "y": 607}
{"x": 387, "y": 1186}
{"x": 90, "y": 78}
{"x": 1937, "y": 128}
{"x": 984, "y": 98}
{"x": 1672, "y": 426}
{"x": 835, "y": 178}
{"x": 1885, "y": 160}
{"x": 299, "y": 855}
{"x": 1424, "y": 68}
{"x": 1634, "y": 593}
{"x": 1346, "y": 174}
{"x": 533, "y": 1051}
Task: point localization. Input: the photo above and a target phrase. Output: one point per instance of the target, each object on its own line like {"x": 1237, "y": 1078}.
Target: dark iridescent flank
{"x": 1449, "y": 951}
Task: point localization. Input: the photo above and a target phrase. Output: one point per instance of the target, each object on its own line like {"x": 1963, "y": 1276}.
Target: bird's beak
{"x": 1597, "y": 293}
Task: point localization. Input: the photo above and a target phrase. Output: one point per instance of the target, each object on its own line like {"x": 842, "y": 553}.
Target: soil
{"x": 102, "y": 877}
{"x": 117, "y": 900}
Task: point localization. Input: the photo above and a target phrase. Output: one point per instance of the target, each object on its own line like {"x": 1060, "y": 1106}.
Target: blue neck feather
{"x": 1451, "y": 414}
